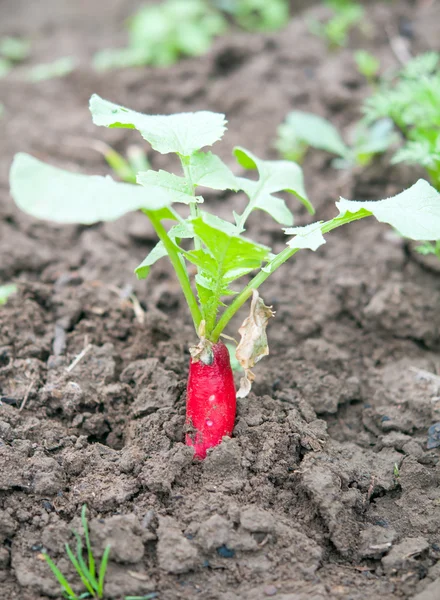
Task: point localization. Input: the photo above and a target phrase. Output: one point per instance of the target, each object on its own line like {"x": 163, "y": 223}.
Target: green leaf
{"x": 311, "y": 130}
{"x": 274, "y": 206}
{"x": 75, "y": 563}
{"x": 5, "y": 67}
{"x": 121, "y": 58}
{"x": 14, "y": 49}
{"x": 309, "y": 236}
{"x": 182, "y": 230}
{"x": 60, "y": 578}
{"x": 6, "y": 291}
{"x": 183, "y": 133}
{"x": 102, "y": 571}
{"x": 225, "y": 252}
{"x": 415, "y": 212}
{"x": 224, "y": 258}
{"x": 177, "y": 187}
{"x": 50, "y": 193}
{"x": 208, "y": 170}
{"x": 58, "y": 68}
{"x": 368, "y": 65}
{"x": 143, "y": 270}
{"x": 375, "y": 139}
{"x": 275, "y": 176}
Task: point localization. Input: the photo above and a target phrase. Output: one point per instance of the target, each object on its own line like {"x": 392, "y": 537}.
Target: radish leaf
{"x": 415, "y": 212}
{"x": 50, "y": 193}
{"x": 183, "y": 133}
{"x": 306, "y": 129}
{"x": 223, "y": 258}
{"x": 208, "y": 170}
{"x": 275, "y": 176}
{"x": 177, "y": 187}
{"x": 181, "y": 230}
{"x": 309, "y": 236}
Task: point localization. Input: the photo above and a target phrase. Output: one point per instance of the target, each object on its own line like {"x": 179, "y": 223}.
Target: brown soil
{"x": 327, "y": 489}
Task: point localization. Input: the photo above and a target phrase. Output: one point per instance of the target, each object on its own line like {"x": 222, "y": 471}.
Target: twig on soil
{"x": 26, "y": 396}
{"x": 139, "y": 312}
{"x": 425, "y": 374}
{"x": 78, "y": 358}
{"x": 125, "y": 294}
{"x": 370, "y": 489}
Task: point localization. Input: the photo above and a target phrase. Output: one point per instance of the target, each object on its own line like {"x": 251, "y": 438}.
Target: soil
{"x": 329, "y": 487}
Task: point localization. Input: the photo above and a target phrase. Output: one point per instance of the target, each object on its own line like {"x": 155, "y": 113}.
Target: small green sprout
{"x": 91, "y": 577}
{"x": 368, "y": 65}
{"x": 125, "y": 168}
{"x": 302, "y": 130}
{"x": 162, "y": 33}
{"x": 209, "y": 254}
{"x": 429, "y": 248}
{"x": 58, "y": 68}
{"x": 256, "y": 15}
{"x": 13, "y": 50}
{"x": 6, "y": 291}
{"x": 411, "y": 99}
{"x": 347, "y": 15}
{"x": 396, "y": 471}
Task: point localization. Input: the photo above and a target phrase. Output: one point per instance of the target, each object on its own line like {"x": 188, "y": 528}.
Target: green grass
{"x": 90, "y": 574}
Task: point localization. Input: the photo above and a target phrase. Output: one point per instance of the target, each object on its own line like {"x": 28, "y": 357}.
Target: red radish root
{"x": 211, "y": 399}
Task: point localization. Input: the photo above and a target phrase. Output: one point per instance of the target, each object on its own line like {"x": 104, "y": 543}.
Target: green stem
{"x": 194, "y": 209}
{"x": 179, "y": 268}
{"x": 272, "y": 266}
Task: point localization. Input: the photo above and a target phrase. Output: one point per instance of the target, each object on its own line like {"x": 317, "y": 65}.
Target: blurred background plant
{"x": 161, "y": 34}
{"x": 410, "y": 98}
{"x": 302, "y": 130}
{"x": 256, "y": 15}
{"x": 13, "y": 50}
{"x": 347, "y": 15}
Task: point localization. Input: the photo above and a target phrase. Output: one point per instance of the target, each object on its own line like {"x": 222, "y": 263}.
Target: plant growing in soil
{"x": 256, "y": 15}
{"x": 209, "y": 254}
{"x": 368, "y": 65}
{"x": 13, "y": 50}
{"x": 411, "y": 99}
{"x": 302, "y": 130}
{"x": 5, "y": 291}
{"x": 91, "y": 577}
{"x": 160, "y": 34}
{"x": 336, "y": 30}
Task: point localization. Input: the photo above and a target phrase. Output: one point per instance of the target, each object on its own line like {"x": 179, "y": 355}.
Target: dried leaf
{"x": 253, "y": 344}
{"x": 203, "y": 350}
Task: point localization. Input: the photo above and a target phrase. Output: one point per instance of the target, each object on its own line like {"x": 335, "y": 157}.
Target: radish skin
{"x": 211, "y": 400}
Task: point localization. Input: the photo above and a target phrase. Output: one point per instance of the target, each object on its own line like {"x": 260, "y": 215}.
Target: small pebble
{"x": 270, "y": 590}
{"x": 225, "y": 552}
{"x": 433, "y": 436}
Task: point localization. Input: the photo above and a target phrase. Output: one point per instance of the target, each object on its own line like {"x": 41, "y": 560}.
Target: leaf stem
{"x": 194, "y": 209}
{"x": 272, "y": 266}
{"x": 179, "y": 267}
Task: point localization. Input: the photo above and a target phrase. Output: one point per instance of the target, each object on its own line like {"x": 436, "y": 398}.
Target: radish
{"x": 217, "y": 252}
{"x": 211, "y": 399}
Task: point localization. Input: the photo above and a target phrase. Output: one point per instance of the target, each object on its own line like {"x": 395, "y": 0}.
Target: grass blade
{"x": 91, "y": 559}
{"x": 102, "y": 571}
{"x": 84, "y": 568}
{"x": 60, "y": 578}
{"x": 77, "y": 566}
